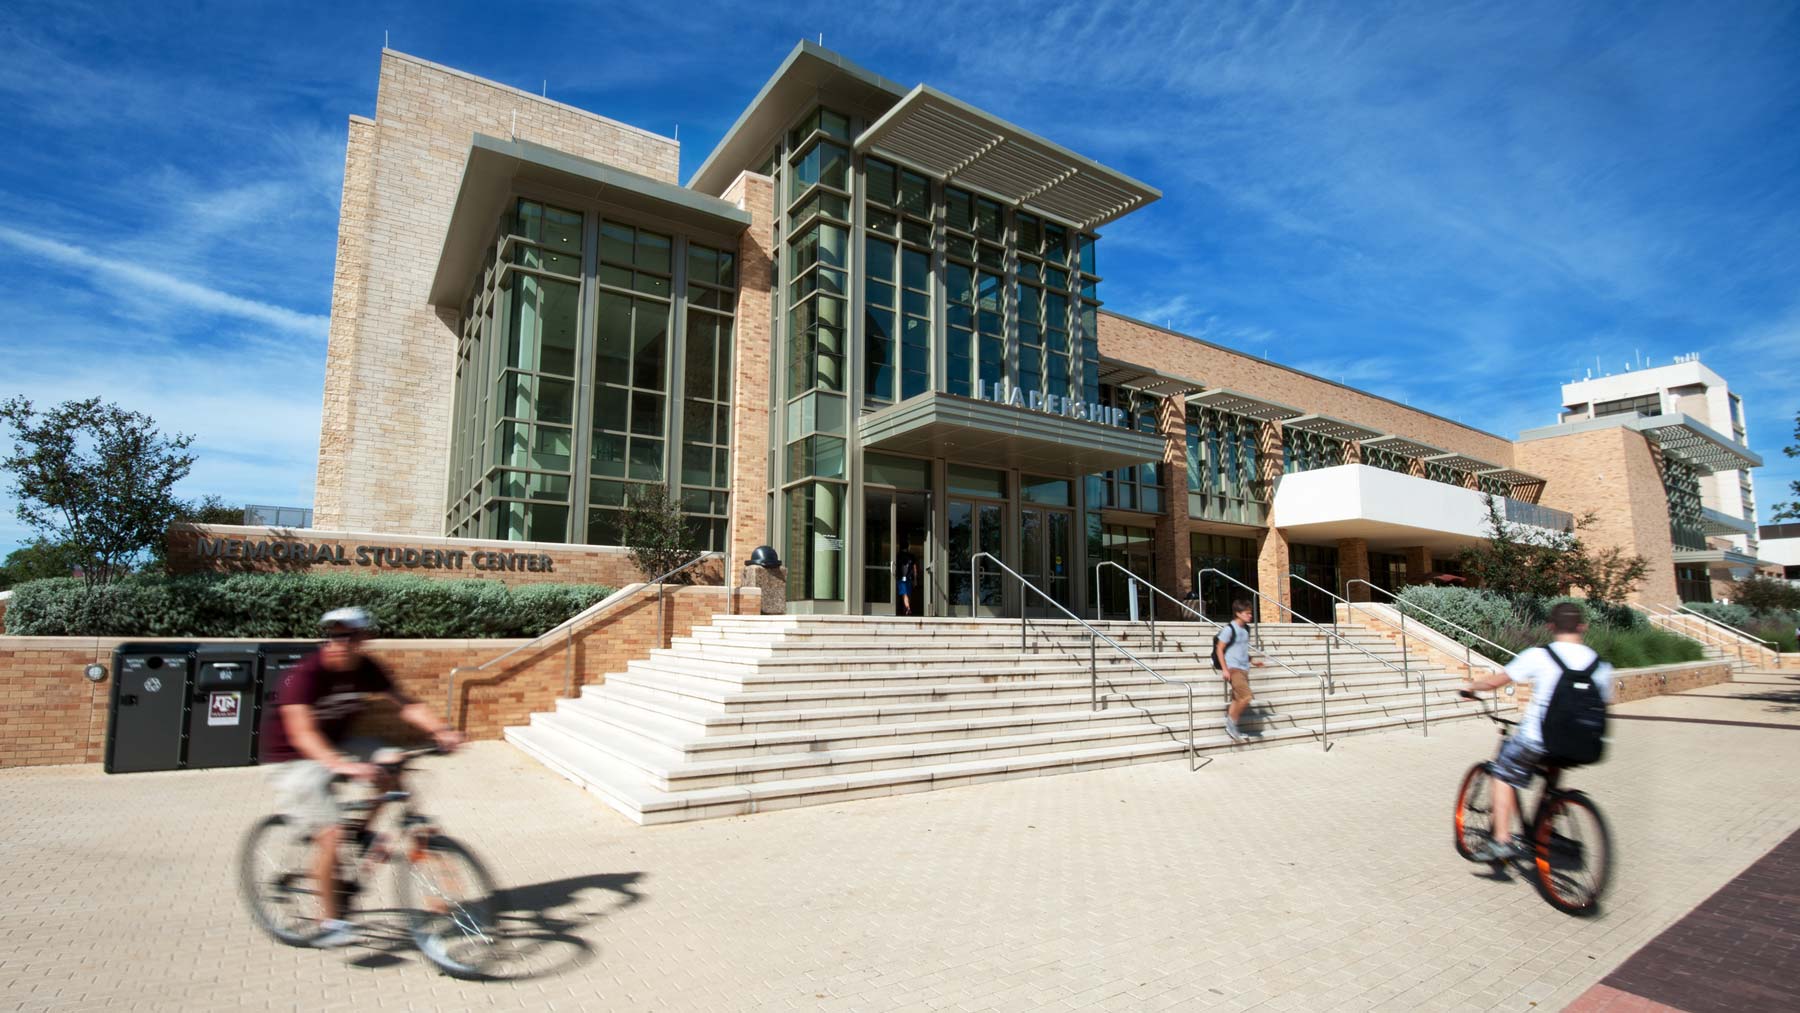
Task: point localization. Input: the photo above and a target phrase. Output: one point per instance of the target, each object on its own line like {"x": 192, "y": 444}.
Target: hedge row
{"x": 282, "y": 605}
{"x": 1618, "y": 633}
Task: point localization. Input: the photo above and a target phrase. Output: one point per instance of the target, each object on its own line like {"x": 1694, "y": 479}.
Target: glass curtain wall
{"x": 1224, "y": 480}
{"x": 532, "y": 458}
{"x": 1227, "y": 554}
{"x": 1307, "y": 451}
{"x": 1682, "y": 484}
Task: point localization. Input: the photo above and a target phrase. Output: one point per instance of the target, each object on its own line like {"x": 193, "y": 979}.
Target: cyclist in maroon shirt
{"x": 303, "y": 742}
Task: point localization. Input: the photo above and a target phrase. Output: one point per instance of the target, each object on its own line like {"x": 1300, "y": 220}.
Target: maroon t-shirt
{"x": 335, "y": 697}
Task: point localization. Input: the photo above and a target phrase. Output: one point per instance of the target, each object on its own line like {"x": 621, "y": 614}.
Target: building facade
{"x": 871, "y": 332}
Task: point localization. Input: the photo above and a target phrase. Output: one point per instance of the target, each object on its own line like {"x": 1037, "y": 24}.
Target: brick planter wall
{"x": 50, "y": 714}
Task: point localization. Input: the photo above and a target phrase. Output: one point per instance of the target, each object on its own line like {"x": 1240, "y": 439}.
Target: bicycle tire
{"x": 468, "y": 952}
{"x": 257, "y": 843}
{"x": 1474, "y": 810}
{"x": 1557, "y": 856}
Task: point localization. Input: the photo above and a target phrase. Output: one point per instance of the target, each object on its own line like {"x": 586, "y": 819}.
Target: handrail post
{"x": 1094, "y": 671}
{"x": 1099, "y": 595}
{"x": 1406, "y": 653}
{"x": 974, "y": 583}
{"x": 569, "y": 662}
{"x": 1324, "y": 721}
{"x": 1193, "y": 753}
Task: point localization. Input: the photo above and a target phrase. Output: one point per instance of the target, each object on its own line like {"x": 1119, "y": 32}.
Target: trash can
{"x": 222, "y": 715}
{"x": 276, "y": 659}
{"x": 148, "y": 719}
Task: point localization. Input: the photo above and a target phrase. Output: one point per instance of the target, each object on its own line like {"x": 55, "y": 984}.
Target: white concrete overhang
{"x": 1004, "y": 436}
{"x": 1404, "y": 447}
{"x": 1700, "y": 446}
{"x": 1151, "y": 381}
{"x": 1727, "y": 557}
{"x": 1334, "y": 428}
{"x": 967, "y": 147}
{"x": 1718, "y": 522}
{"x": 1247, "y": 405}
{"x": 1388, "y": 509}
{"x": 495, "y": 167}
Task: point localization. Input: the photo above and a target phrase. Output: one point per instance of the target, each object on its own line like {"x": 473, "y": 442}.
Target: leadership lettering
{"x": 383, "y": 556}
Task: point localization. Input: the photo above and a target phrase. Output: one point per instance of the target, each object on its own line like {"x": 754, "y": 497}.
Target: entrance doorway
{"x": 975, "y": 526}
{"x": 1046, "y": 552}
{"x": 896, "y": 523}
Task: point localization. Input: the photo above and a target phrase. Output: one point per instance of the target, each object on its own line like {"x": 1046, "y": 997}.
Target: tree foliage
{"x": 38, "y": 560}
{"x": 95, "y": 477}
{"x": 656, "y": 535}
{"x": 1763, "y": 594}
{"x": 1521, "y": 559}
{"x": 1790, "y": 511}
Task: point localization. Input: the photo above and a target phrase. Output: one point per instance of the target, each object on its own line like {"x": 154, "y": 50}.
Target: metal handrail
{"x": 1706, "y": 625}
{"x": 1093, "y": 636}
{"x": 1405, "y": 674}
{"x": 567, "y": 628}
{"x": 1324, "y": 683}
{"x": 1772, "y": 645}
{"x": 1402, "y": 605}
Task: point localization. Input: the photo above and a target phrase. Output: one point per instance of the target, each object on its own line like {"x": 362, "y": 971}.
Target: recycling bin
{"x": 148, "y": 712}
{"x": 221, "y": 728}
{"x": 276, "y": 660}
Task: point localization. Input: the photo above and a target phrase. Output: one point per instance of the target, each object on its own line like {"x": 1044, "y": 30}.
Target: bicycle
{"x": 1571, "y": 850}
{"x": 453, "y": 923}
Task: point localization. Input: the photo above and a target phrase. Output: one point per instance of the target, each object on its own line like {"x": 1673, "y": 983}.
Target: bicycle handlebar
{"x": 1491, "y": 714}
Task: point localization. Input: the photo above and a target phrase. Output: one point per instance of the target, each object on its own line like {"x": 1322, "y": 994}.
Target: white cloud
{"x": 165, "y": 286}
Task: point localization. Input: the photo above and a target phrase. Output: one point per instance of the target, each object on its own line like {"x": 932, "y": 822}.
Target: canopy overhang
{"x": 1718, "y": 522}
{"x": 967, "y": 147}
{"x": 496, "y": 167}
{"x": 1698, "y": 445}
{"x": 1462, "y": 462}
{"x": 1238, "y": 403}
{"x": 1335, "y": 428}
{"x": 1151, "y": 381}
{"x": 1404, "y": 447}
{"x": 1004, "y": 436}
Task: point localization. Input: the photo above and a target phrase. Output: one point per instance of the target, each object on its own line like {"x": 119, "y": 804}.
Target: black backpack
{"x": 1574, "y": 728}
{"x": 1228, "y": 642}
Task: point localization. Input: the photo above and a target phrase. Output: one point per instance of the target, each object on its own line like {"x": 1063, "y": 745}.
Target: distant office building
{"x": 1781, "y": 547}
{"x": 871, "y": 326}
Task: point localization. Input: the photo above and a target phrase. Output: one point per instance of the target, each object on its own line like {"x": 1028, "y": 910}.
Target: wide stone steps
{"x": 756, "y": 713}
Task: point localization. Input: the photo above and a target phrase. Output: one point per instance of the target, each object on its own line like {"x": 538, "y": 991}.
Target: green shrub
{"x": 1725, "y": 612}
{"x": 1781, "y": 631}
{"x": 1618, "y": 633}
{"x": 1480, "y": 611}
{"x": 1638, "y": 648}
{"x": 281, "y": 606}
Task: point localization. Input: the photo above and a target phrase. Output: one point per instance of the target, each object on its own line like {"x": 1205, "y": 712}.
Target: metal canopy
{"x": 1123, "y": 374}
{"x": 1336, "y": 429}
{"x": 1227, "y": 400}
{"x": 1462, "y": 462}
{"x": 965, "y": 146}
{"x": 1717, "y": 522}
{"x": 963, "y": 429}
{"x": 1404, "y": 447}
{"x": 1511, "y": 475}
{"x": 1703, "y": 449}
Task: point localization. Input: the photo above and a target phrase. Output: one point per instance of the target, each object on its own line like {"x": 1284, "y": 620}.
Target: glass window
{"x": 968, "y": 481}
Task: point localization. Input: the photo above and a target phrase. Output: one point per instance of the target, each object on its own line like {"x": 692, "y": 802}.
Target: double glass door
{"x": 896, "y": 523}
{"x": 1046, "y": 557}
{"x": 975, "y": 526}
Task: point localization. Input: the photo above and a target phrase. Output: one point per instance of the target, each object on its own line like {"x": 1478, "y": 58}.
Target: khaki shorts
{"x": 1240, "y": 685}
{"x": 303, "y": 794}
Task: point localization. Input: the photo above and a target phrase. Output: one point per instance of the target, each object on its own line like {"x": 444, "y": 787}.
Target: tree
{"x": 1790, "y": 511}
{"x": 95, "y": 477}
{"x": 211, "y": 509}
{"x": 1763, "y": 594}
{"x": 38, "y": 560}
{"x": 656, "y": 534}
{"x": 1523, "y": 559}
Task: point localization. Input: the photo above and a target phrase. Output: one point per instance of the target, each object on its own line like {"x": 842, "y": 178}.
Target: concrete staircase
{"x": 757, "y": 713}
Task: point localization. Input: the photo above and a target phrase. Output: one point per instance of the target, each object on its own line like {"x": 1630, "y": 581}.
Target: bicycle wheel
{"x": 1474, "y": 811}
{"x": 275, "y": 878}
{"x": 452, "y": 901}
{"x": 1573, "y": 853}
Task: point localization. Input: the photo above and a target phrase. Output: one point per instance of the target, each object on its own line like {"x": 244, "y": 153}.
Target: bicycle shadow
{"x": 539, "y": 926}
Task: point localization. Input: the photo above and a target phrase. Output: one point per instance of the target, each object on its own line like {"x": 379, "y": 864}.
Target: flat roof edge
{"x": 522, "y": 93}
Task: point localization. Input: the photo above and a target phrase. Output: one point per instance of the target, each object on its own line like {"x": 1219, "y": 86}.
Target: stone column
{"x": 1353, "y": 564}
{"x": 1272, "y": 567}
{"x": 1418, "y": 563}
{"x": 751, "y": 350}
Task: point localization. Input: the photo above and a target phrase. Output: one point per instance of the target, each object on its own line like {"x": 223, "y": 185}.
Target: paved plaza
{"x": 1279, "y": 879}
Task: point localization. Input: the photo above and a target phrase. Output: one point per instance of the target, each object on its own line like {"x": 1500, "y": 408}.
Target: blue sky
{"x": 1456, "y": 205}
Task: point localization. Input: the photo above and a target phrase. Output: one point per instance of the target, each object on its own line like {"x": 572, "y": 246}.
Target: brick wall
{"x": 384, "y": 438}
{"x": 571, "y": 564}
{"x": 1613, "y": 473}
{"x": 50, "y": 713}
{"x": 749, "y": 524}
{"x": 1126, "y": 339}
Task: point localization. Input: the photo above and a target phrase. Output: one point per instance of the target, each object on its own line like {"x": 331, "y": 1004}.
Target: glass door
{"x": 878, "y": 551}
{"x": 974, "y": 527}
{"x": 896, "y": 526}
{"x": 1045, "y": 556}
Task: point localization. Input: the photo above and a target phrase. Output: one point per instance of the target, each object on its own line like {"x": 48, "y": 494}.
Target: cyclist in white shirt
{"x": 1524, "y": 750}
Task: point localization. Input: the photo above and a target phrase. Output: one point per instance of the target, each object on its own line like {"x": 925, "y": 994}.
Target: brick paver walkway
{"x": 1283, "y": 879}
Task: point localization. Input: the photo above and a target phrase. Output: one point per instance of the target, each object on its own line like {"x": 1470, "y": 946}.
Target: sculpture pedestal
{"x": 772, "y": 582}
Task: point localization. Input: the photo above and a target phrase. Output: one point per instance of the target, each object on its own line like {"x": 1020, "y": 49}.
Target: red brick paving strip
{"x": 1738, "y": 952}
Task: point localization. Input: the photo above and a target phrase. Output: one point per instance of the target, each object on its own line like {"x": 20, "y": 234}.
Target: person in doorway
{"x": 1523, "y": 754}
{"x": 906, "y": 580}
{"x": 305, "y": 746}
{"x": 1231, "y": 656}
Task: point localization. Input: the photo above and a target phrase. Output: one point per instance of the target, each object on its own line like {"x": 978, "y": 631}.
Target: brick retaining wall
{"x": 49, "y": 713}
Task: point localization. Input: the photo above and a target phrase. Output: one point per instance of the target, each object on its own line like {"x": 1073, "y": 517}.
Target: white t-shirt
{"x": 1536, "y": 667}
{"x": 1237, "y": 649}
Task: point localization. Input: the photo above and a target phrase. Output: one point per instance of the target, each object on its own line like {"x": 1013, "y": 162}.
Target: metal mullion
{"x": 587, "y": 344}
{"x": 675, "y": 368}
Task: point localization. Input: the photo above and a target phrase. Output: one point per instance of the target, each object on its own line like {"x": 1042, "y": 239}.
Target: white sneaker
{"x": 1231, "y": 729}
{"x": 337, "y": 932}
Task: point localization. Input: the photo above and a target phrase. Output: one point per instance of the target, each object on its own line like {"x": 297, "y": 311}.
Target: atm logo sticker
{"x": 224, "y": 708}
